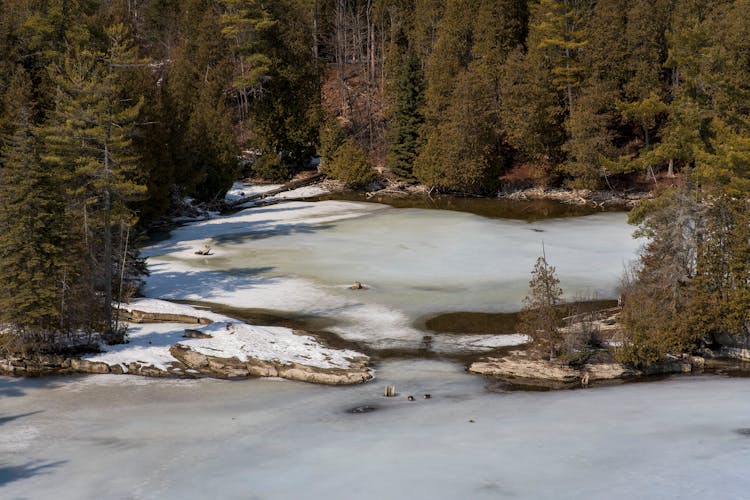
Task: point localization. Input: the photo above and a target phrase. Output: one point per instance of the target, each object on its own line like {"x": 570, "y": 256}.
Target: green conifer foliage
{"x": 720, "y": 304}
{"x": 245, "y": 23}
{"x": 541, "y": 313}
{"x": 593, "y": 123}
{"x": 461, "y": 153}
{"x": 562, "y": 34}
{"x": 286, "y": 116}
{"x": 210, "y": 145}
{"x": 33, "y": 223}
{"x": 350, "y": 165}
{"x": 90, "y": 136}
{"x": 533, "y": 111}
{"x": 658, "y": 293}
{"x": 451, "y": 53}
{"x": 407, "y": 116}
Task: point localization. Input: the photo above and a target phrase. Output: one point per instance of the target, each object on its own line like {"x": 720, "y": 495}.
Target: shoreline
{"x": 579, "y": 197}
{"x": 185, "y": 364}
{"x": 509, "y": 368}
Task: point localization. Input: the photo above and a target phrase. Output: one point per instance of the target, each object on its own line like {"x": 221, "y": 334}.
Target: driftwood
{"x": 596, "y": 315}
{"x": 206, "y": 250}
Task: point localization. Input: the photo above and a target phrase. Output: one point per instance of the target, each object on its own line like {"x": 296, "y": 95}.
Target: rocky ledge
{"x": 579, "y": 197}
{"x": 223, "y": 367}
{"x": 520, "y": 369}
{"x": 200, "y": 343}
{"x": 41, "y": 365}
{"x": 229, "y": 349}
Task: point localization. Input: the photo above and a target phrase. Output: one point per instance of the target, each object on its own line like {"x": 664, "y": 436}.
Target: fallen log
{"x": 286, "y": 187}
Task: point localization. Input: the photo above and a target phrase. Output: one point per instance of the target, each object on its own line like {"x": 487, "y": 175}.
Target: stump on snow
{"x": 390, "y": 391}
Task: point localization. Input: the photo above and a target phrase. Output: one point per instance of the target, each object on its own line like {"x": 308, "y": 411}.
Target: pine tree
{"x": 450, "y": 54}
{"x": 541, "y": 313}
{"x": 461, "y": 152}
{"x": 407, "y": 116}
{"x": 533, "y": 111}
{"x": 658, "y": 292}
{"x": 245, "y": 22}
{"x": 33, "y": 261}
{"x": 562, "y": 34}
{"x": 593, "y": 124}
{"x": 210, "y": 146}
{"x": 89, "y": 135}
{"x": 285, "y": 117}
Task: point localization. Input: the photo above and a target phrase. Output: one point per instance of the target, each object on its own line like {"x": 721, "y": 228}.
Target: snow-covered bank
{"x": 227, "y": 348}
{"x": 108, "y": 437}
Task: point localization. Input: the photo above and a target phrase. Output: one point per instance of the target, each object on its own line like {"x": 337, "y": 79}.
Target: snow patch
{"x": 149, "y": 343}
{"x": 266, "y": 343}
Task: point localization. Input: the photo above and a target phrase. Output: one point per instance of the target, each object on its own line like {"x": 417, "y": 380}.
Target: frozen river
{"x": 120, "y": 437}
{"x": 126, "y": 437}
{"x": 301, "y": 258}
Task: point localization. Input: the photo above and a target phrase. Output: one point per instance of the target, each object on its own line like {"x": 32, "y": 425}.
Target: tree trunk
{"x": 107, "y": 245}
{"x": 315, "y": 31}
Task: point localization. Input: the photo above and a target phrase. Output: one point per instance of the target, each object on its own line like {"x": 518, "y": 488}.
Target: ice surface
{"x": 301, "y": 257}
{"x": 121, "y": 437}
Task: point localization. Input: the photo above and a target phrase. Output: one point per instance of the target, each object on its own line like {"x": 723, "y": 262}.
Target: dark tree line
{"x": 112, "y": 111}
{"x": 585, "y": 92}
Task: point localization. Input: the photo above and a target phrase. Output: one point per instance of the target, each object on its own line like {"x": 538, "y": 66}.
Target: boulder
{"x": 740, "y": 353}
{"x": 117, "y": 369}
{"x": 84, "y": 366}
{"x": 517, "y": 367}
{"x": 607, "y": 371}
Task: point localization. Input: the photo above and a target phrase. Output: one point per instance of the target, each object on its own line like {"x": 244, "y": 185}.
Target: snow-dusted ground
{"x": 301, "y": 257}
{"x": 241, "y": 190}
{"x": 148, "y": 344}
{"x": 120, "y": 437}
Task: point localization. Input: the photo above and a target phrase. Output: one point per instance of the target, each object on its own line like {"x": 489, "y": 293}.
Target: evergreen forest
{"x": 113, "y": 112}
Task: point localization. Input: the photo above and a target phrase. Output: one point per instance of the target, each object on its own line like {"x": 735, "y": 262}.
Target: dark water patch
{"x": 266, "y": 317}
{"x": 502, "y": 323}
{"x": 472, "y": 323}
{"x": 504, "y": 386}
{"x": 362, "y": 409}
{"x": 495, "y": 208}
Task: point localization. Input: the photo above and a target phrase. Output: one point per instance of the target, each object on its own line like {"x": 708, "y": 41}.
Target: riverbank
{"x": 278, "y": 253}
{"x": 617, "y": 200}
{"x": 176, "y": 340}
{"x": 399, "y": 193}
{"x": 169, "y": 340}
